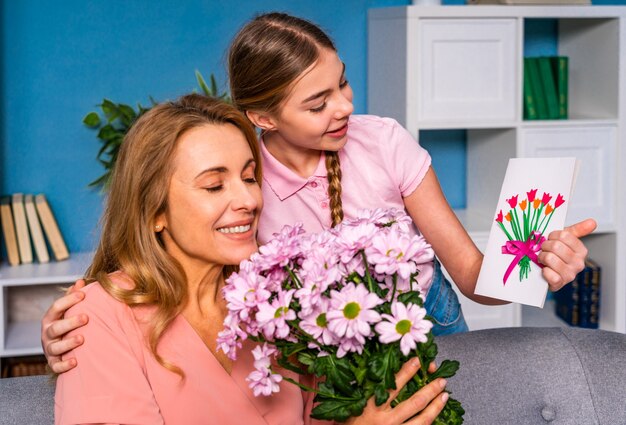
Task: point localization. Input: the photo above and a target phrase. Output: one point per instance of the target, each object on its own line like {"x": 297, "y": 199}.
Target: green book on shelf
{"x": 530, "y": 108}
{"x": 560, "y": 70}
{"x": 537, "y": 88}
{"x": 549, "y": 87}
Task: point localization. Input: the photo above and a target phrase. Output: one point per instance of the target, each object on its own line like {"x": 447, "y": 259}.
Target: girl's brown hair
{"x": 265, "y": 58}
{"x": 138, "y": 194}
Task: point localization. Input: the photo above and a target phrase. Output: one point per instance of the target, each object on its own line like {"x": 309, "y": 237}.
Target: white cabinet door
{"x": 467, "y": 70}
{"x": 596, "y": 147}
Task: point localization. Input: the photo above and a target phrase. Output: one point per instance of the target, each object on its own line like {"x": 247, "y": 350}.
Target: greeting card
{"x": 533, "y": 202}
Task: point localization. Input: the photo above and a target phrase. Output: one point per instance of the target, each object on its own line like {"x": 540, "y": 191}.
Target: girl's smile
{"x": 338, "y": 133}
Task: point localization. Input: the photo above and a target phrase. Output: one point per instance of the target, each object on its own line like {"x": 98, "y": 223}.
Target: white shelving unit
{"x": 26, "y": 292}
{"x": 461, "y": 67}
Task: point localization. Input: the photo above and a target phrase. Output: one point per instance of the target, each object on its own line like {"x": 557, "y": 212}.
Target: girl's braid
{"x": 334, "y": 187}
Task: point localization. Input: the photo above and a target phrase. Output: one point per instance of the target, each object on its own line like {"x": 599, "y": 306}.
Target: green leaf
{"x": 381, "y": 394}
{"x": 109, "y": 108}
{"x": 333, "y": 410}
{"x": 452, "y": 414}
{"x": 307, "y": 359}
{"x": 127, "y": 111}
{"x": 358, "y": 406}
{"x": 359, "y": 373}
{"x": 203, "y": 86}
{"x": 99, "y": 181}
{"x": 447, "y": 369}
{"x": 213, "y": 85}
{"x": 384, "y": 365}
{"x": 428, "y": 350}
{"x": 108, "y": 133}
{"x": 341, "y": 376}
{"x": 127, "y": 116}
{"x": 92, "y": 119}
{"x": 412, "y": 297}
{"x": 292, "y": 348}
{"x": 407, "y": 391}
{"x": 284, "y": 362}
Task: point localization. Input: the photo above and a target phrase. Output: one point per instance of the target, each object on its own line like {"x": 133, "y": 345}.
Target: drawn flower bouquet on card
{"x": 343, "y": 305}
{"x": 526, "y": 235}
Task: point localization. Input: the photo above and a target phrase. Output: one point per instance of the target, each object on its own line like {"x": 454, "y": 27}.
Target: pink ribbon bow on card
{"x": 520, "y": 249}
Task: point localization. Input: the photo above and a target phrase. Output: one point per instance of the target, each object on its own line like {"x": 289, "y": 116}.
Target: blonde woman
{"x": 182, "y": 211}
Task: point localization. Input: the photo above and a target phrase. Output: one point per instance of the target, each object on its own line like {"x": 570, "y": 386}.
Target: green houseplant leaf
{"x": 115, "y": 119}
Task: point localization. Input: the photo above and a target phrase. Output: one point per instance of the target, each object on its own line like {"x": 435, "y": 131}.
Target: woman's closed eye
{"x": 215, "y": 188}
{"x": 319, "y": 108}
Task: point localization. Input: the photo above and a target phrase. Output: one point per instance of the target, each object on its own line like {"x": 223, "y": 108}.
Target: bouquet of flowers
{"x": 344, "y": 305}
{"x": 526, "y": 235}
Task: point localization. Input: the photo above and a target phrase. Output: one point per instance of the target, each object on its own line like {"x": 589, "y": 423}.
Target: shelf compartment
{"x": 467, "y": 70}
{"x": 26, "y": 292}
{"x": 596, "y": 148}
{"x": 593, "y": 72}
{"x": 22, "y": 339}
{"x": 24, "y": 306}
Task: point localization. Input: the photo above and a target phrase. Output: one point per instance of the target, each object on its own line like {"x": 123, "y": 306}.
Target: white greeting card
{"x": 533, "y": 202}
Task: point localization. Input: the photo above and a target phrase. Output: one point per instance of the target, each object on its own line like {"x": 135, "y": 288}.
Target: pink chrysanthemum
{"x": 316, "y": 278}
{"x": 407, "y": 324}
{"x": 278, "y": 252}
{"x": 272, "y": 316}
{"x": 395, "y": 252}
{"x": 244, "y": 292}
{"x": 351, "y": 313}
{"x": 262, "y": 380}
{"x": 315, "y": 324}
{"x": 349, "y": 345}
{"x": 352, "y": 239}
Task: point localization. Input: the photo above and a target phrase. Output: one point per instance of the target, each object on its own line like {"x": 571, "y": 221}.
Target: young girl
{"x": 322, "y": 163}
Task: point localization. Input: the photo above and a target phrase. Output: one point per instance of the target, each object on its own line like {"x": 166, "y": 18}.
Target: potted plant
{"x": 115, "y": 119}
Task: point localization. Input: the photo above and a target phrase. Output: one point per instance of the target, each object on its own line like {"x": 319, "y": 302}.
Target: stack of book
{"x": 27, "y": 223}
{"x": 546, "y": 87}
{"x": 578, "y": 303}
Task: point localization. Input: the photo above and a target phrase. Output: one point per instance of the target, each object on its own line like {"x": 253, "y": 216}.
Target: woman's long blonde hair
{"x": 138, "y": 193}
{"x": 265, "y": 58}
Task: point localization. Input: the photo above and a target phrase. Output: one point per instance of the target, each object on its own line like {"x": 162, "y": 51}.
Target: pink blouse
{"x": 118, "y": 380}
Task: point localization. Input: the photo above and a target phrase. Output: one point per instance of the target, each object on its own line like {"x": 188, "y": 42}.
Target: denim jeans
{"x": 443, "y": 306}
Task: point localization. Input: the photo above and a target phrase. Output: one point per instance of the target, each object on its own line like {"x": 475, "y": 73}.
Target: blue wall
{"x": 59, "y": 59}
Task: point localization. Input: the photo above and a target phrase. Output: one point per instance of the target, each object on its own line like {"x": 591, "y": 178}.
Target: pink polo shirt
{"x": 381, "y": 164}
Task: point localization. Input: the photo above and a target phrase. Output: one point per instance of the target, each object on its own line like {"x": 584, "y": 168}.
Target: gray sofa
{"x": 511, "y": 376}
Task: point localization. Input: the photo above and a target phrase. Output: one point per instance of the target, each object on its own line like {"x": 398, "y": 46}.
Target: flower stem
{"x": 368, "y": 276}
{"x": 547, "y": 222}
{"x": 293, "y": 277}
{"x": 505, "y": 232}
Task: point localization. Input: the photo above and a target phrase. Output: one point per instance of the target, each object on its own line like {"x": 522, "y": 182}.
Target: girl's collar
{"x": 283, "y": 181}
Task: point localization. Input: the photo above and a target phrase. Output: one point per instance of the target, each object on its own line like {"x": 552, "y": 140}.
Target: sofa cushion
{"x": 539, "y": 375}
{"x": 27, "y": 400}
